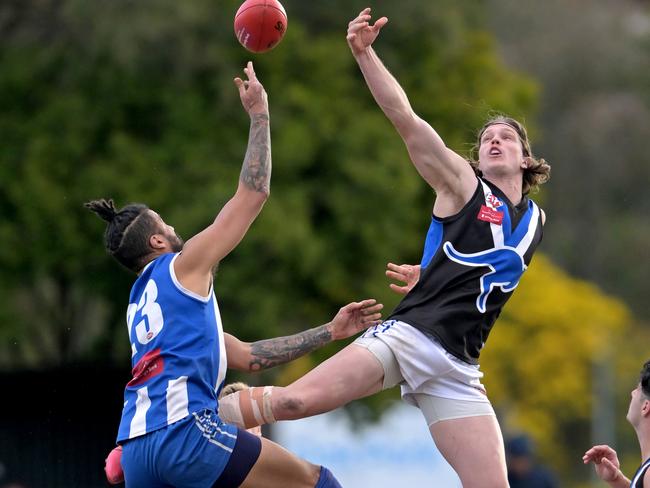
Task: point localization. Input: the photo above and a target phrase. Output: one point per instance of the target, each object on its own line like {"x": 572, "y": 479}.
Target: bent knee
{"x": 290, "y": 406}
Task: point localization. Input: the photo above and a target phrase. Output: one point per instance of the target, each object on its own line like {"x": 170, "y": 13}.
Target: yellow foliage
{"x": 538, "y": 364}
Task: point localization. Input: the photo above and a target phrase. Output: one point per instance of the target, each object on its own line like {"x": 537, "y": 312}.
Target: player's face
{"x": 175, "y": 241}
{"x": 637, "y": 399}
{"x": 500, "y": 150}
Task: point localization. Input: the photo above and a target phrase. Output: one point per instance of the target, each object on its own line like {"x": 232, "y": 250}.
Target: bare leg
{"x": 352, "y": 373}
{"x": 473, "y": 446}
{"x": 278, "y": 468}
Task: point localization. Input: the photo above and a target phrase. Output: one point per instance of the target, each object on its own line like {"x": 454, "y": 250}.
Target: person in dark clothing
{"x": 523, "y": 469}
{"x": 605, "y": 459}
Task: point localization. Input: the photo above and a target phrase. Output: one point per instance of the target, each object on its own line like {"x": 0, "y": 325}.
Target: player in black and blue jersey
{"x": 483, "y": 233}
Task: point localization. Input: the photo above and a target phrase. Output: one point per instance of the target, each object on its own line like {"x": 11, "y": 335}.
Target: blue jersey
{"x": 178, "y": 353}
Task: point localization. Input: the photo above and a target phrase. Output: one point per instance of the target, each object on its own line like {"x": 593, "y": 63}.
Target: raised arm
{"x": 255, "y": 356}
{"x": 447, "y": 172}
{"x": 203, "y": 251}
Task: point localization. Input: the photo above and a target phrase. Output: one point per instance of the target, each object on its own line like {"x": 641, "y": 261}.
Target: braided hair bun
{"x": 104, "y": 208}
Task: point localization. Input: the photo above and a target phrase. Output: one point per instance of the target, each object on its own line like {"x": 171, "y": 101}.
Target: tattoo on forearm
{"x": 273, "y": 352}
{"x": 256, "y": 170}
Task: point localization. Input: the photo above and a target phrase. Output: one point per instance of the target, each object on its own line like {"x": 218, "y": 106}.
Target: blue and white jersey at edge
{"x": 178, "y": 353}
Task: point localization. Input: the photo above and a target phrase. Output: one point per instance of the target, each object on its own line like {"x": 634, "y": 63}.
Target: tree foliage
{"x": 593, "y": 61}
{"x": 135, "y": 101}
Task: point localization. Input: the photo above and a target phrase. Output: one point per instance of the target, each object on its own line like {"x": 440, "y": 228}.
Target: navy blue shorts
{"x": 244, "y": 456}
{"x": 199, "y": 451}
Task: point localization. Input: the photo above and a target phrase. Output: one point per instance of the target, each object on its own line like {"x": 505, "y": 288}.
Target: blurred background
{"x": 135, "y": 101}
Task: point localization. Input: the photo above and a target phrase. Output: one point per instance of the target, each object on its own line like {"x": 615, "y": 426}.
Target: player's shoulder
{"x": 162, "y": 263}
{"x": 157, "y": 269}
{"x": 542, "y": 214}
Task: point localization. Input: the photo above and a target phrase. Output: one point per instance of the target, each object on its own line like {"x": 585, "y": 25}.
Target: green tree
{"x": 135, "y": 101}
{"x": 592, "y": 60}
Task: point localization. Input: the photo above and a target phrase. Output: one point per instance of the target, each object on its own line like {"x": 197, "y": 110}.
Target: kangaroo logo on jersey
{"x": 506, "y": 267}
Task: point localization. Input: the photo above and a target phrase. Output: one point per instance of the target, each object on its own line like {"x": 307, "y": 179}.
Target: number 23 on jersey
{"x": 151, "y": 317}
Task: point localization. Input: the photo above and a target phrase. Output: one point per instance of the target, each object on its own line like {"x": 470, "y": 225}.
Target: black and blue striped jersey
{"x": 637, "y": 480}
{"x": 471, "y": 264}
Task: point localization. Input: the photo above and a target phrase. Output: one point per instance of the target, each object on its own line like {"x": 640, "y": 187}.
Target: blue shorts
{"x": 199, "y": 451}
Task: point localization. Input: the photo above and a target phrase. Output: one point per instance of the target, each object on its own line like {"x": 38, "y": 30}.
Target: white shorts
{"x": 423, "y": 368}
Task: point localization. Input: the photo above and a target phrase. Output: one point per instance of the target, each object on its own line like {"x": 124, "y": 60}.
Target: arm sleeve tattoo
{"x": 273, "y": 352}
{"x": 256, "y": 170}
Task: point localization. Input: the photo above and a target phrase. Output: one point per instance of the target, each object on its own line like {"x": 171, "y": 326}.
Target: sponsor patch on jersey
{"x": 492, "y": 201}
{"x": 151, "y": 364}
{"x": 490, "y": 215}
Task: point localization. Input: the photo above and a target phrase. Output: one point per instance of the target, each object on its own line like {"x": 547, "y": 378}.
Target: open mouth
{"x": 495, "y": 152}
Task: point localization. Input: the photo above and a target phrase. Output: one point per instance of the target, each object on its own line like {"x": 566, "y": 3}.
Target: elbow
{"x": 406, "y": 123}
{"x": 261, "y": 195}
{"x": 256, "y": 197}
{"x": 261, "y": 191}
{"x": 265, "y": 193}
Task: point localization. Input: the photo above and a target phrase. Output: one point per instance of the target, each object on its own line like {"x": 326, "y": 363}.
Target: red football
{"x": 260, "y": 24}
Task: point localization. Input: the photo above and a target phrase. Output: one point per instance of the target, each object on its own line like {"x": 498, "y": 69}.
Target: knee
{"x": 289, "y": 405}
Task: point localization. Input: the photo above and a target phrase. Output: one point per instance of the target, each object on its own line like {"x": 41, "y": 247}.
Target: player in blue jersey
{"x": 170, "y": 433}
{"x": 483, "y": 233}
{"x": 605, "y": 458}
{"x": 113, "y": 462}
{"x": 268, "y": 353}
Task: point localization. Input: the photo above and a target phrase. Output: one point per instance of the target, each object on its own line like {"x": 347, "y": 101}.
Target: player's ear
{"x": 157, "y": 241}
{"x": 645, "y": 408}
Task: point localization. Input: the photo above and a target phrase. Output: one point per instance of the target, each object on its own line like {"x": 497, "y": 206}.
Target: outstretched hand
{"x": 354, "y": 318}
{"x": 605, "y": 462}
{"x": 361, "y": 34}
{"x": 252, "y": 93}
{"x": 406, "y": 273}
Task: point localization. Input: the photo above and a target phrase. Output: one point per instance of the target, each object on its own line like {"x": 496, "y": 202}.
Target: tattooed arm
{"x": 203, "y": 252}
{"x": 268, "y": 353}
{"x": 255, "y": 356}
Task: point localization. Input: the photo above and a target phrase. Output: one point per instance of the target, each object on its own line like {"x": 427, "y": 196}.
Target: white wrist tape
{"x": 248, "y": 408}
